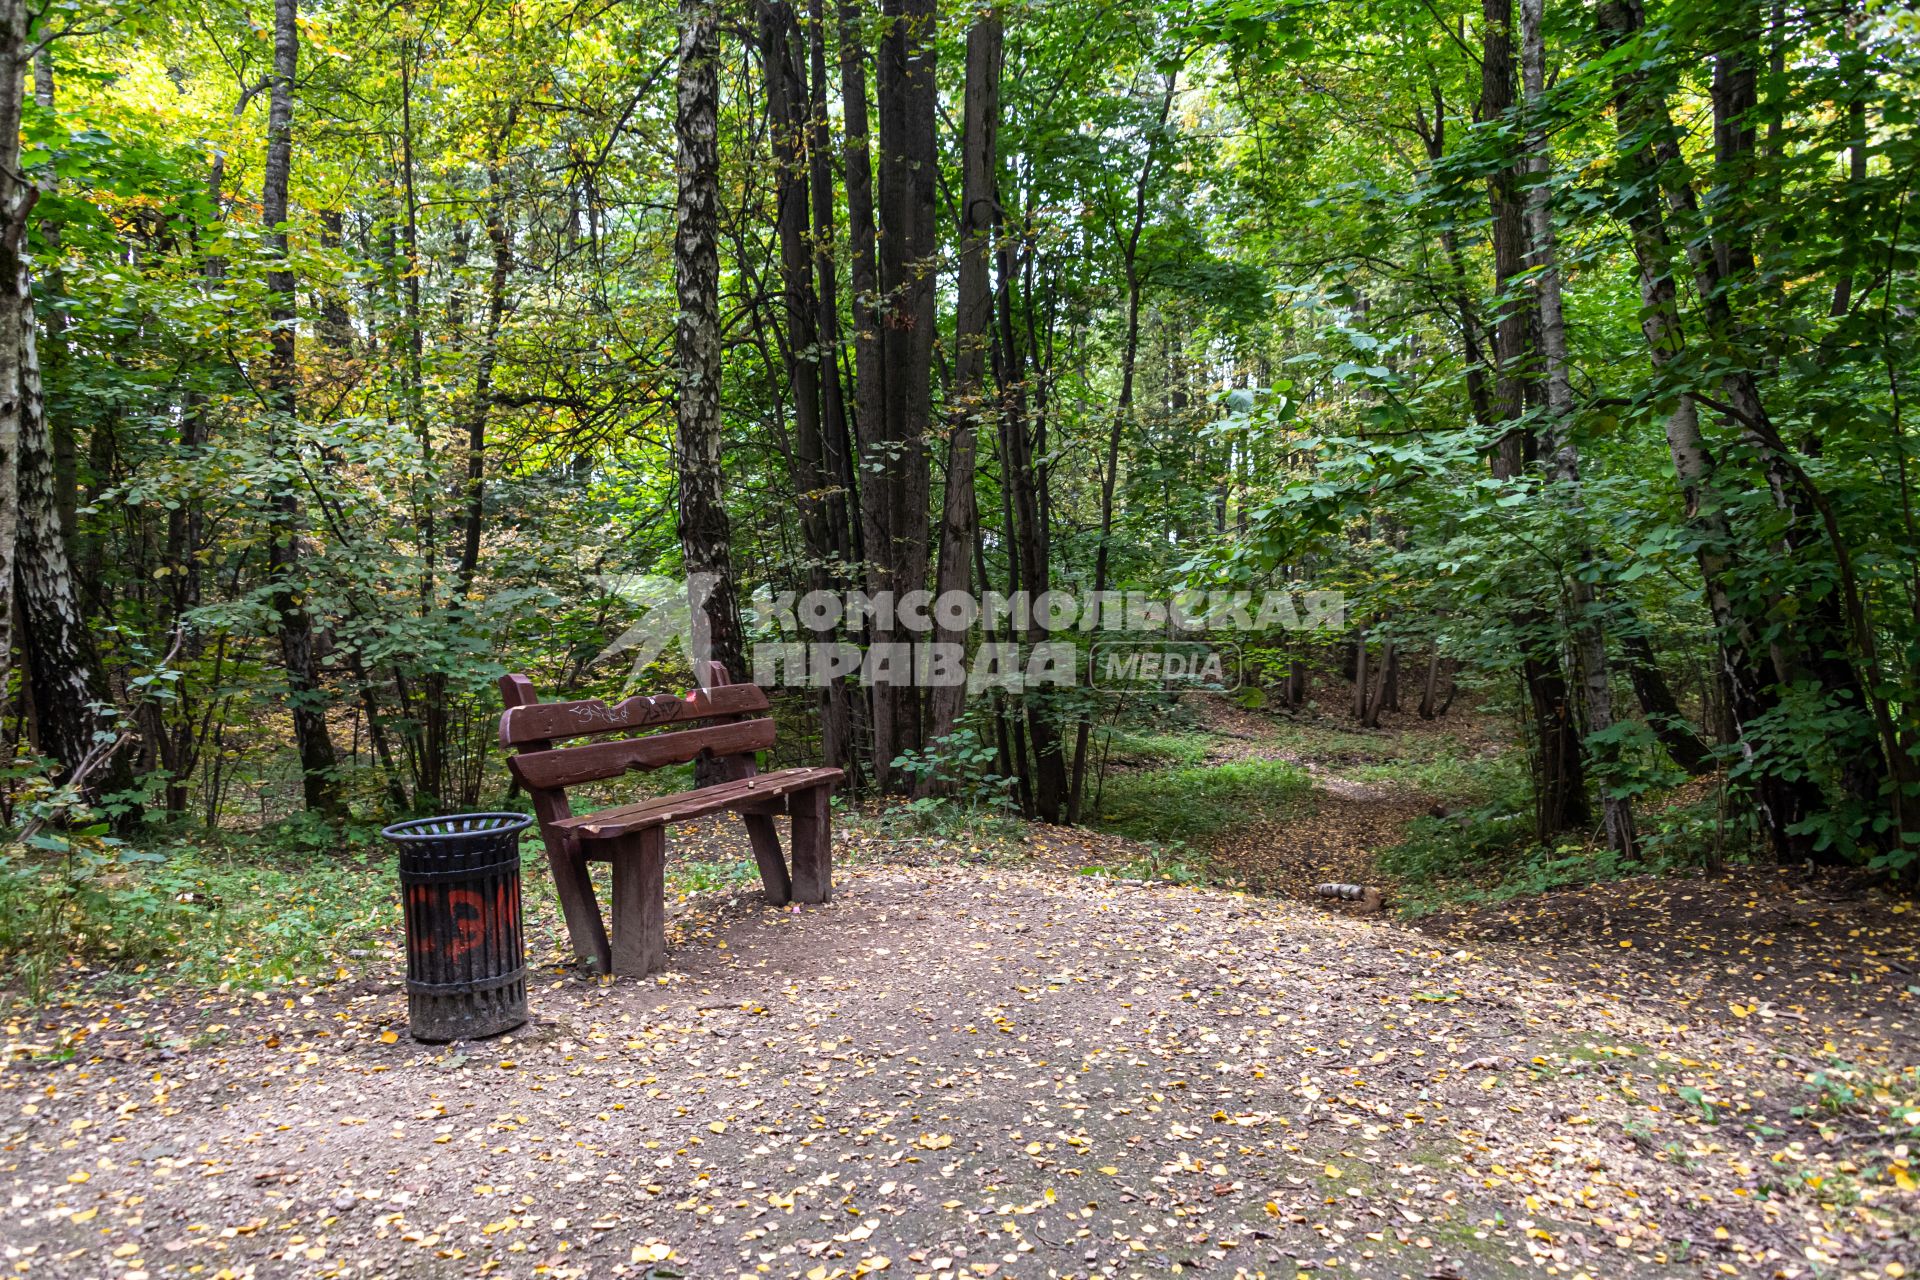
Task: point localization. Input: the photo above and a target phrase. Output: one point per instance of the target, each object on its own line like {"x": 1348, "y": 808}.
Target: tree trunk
{"x": 1389, "y": 699}
{"x": 500, "y": 239}
{"x": 898, "y": 469}
{"x": 72, "y": 706}
{"x": 17, "y": 198}
{"x": 1024, "y": 485}
{"x": 1660, "y": 708}
{"x": 869, "y": 353}
{"x": 795, "y": 130}
{"x": 1430, "y": 689}
{"x": 1783, "y": 803}
{"x": 1560, "y": 785}
{"x": 705, "y": 536}
{"x": 959, "y": 523}
{"x": 66, "y": 444}
{"x": 1589, "y": 633}
{"x": 836, "y": 725}
{"x": 1360, "y": 676}
{"x": 305, "y": 698}
{"x": 837, "y": 460}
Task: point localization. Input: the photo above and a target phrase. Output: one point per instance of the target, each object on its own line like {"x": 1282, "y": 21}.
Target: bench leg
{"x": 812, "y": 845}
{"x": 575, "y": 889}
{"x": 766, "y": 852}
{"x": 640, "y": 903}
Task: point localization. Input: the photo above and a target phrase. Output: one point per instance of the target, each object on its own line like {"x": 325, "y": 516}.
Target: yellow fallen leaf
{"x": 1110, "y": 1170}
{"x": 717, "y": 1127}
{"x": 935, "y": 1141}
{"x": 389, "y": 1037}
{"x": 652, "y": 1251}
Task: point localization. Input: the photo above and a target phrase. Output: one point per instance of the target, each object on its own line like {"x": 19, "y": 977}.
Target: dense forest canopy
{"x": 356, "y": 355}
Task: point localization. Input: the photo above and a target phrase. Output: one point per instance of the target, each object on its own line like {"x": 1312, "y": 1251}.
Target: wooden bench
{"x": 633, "y": 837}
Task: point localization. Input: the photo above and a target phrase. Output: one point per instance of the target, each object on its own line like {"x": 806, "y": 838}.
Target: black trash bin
{"x": 460, "y": 889}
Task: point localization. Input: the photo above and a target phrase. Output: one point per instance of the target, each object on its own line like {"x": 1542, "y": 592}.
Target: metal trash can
{"x": 460, "y": 890}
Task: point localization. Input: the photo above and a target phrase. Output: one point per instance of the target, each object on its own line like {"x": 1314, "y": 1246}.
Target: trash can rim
{"x": 411, "y": 831}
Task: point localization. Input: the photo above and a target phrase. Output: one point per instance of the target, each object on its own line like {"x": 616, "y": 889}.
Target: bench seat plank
{"x": 609, "y": 824}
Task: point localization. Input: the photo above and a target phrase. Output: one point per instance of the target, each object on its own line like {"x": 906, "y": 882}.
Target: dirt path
{"x": 949, "y": 1072}
{"x": 1332, "y": 839}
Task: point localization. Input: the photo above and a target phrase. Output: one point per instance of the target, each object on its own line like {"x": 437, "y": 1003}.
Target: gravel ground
{"x": 952, "y": 1071}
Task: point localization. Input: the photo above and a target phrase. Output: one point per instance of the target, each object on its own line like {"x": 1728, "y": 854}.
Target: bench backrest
{"x": 532, "y": 727}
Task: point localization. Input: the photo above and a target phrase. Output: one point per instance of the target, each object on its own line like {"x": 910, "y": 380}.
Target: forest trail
{"x": 1349, "y": 820}
{"x": 951, "y": 1071}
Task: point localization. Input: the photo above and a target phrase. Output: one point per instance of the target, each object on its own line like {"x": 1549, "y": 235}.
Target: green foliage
{"x": 961, "y": 766}
{"x": 84, "y": 905}
{"x": 1295, "y": 294}
{"x": 1173, "y": 862}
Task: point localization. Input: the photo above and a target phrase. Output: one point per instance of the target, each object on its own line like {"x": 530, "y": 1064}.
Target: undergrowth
{"x": 1140, "y": 746}
{"x": 1194, "y": 803}
{"x": 1487, "y": 852}
{"x": 237, "y": 914}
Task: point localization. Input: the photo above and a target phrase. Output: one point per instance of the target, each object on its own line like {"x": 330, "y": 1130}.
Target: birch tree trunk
{"x": 1559, "y": 780}
{"x": 1783, "y": 803}
{"x": 705, "y": 536}
{"x": 1563, "y": 456}
{"x": 16, "y": 203}
{"x": 73, "y": 709}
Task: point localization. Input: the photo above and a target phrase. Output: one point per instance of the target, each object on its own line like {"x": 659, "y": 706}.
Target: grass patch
{"x": 1178, "y": 748}
{"x": 1460, "y": 780}
{"x": 1193, "y": 804}
{"x": 706, "y": 877}
{"x": 1485, "y": 856}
